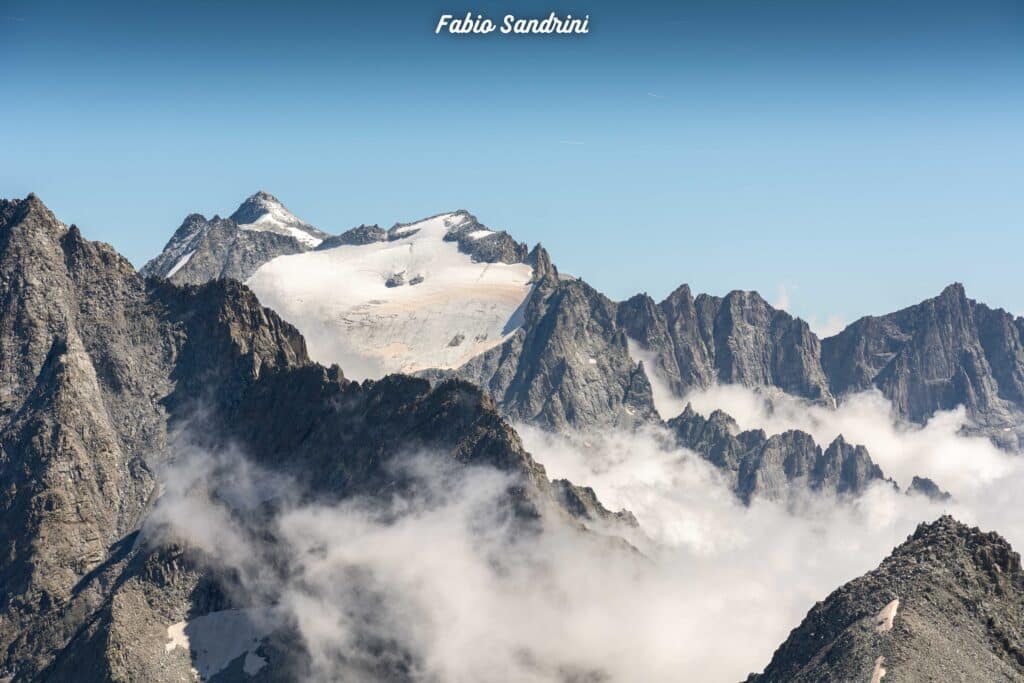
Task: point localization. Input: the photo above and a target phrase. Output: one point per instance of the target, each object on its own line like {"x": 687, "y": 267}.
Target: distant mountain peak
{"x": 263, "y": 212}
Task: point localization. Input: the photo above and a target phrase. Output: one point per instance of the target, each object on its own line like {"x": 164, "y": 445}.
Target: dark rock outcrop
{"x": 924, "y": 486}
{"x": 364, "y": 234}
{"x": 758, "y": 465}
{"x": 484, "y": 244}
{"x": 736, "y": 339}
{"x": 947, "y": 605}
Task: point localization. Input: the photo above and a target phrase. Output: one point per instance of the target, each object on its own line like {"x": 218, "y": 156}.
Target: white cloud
{"x": 444, "y": 578}
{"x": 782, "y": 297}
{"x": 832, "y": 325}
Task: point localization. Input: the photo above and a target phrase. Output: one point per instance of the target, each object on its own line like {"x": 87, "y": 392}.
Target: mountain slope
{"x": 258, "y": 231}
{"x": 939, "y": 354}
{"x": 106, "y": 376}
{"x": 947, "y": 605}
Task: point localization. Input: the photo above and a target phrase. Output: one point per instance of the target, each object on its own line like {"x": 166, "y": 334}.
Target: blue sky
{"x": 845, "y": 157}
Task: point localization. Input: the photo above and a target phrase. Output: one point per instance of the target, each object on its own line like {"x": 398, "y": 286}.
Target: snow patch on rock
{"x": 216, "y": 639}
{"x": 180, "y": 264}
{"x": 879, "y": 671}
{"x": 884, "y": 619}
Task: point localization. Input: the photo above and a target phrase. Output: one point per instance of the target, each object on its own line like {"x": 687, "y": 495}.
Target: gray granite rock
{"x": 773, "y": 467}
{"x": 937, "y": 355}
{"x": 960, "y": 616}
{"x": 568, "y": 366}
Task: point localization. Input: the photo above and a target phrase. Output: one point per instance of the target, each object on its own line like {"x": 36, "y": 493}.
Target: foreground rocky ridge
{"x": 103, "y": 372}
{"x": 947, "y": 605}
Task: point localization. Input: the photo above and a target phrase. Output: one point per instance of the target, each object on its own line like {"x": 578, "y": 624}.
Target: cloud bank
{"x": 437, "y": 585}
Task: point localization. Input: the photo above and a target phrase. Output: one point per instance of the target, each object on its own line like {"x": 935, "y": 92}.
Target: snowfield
{"x": 442, "y": 309}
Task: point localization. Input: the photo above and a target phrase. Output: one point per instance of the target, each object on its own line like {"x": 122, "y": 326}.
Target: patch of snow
{"x": 338, "y": 299}
{"x": 253, "y": 663}
{"x": 666, "y": 402}
{"x": 219, "y": 638}
{"x": 478, "y": 234}
{"x": 884, "y": 619}
{"x": 879, "y": 671}
{"x": 180, "y": 264}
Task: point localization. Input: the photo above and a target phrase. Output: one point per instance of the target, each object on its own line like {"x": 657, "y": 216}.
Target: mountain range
{"x": 240, "y": 337}
{"x": 551, "y": 350}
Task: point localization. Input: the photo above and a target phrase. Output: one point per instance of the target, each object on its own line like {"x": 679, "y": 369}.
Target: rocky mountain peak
{"x": 257, "y": 205}
{"x": 954, "y": 291}
{"x": 261, "y": 229}
{"x": 30, "y": 217}
{"x": 956, "y": 543}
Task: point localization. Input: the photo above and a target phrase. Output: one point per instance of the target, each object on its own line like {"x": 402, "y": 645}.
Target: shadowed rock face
{"x": 569, "y": 365}
{"x": 943, "y": 353}
{"x": 960, "y": 616}
{"x": 939, "y": 354}
{"x": 100, "y": 369}
{"x": 757, "y": 465}
{"x": 736, "y": 339}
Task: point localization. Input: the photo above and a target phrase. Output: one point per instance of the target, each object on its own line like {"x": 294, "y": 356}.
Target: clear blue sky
{"x": 857, "y": 154}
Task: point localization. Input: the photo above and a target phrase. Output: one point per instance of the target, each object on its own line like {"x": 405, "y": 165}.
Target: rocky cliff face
{"x": 568, "y": 366}
{"x": 771, "y": 467}
{"x": 102, "y": 373}
{"x": 939, "y": 354}
{"x": 258, "y": 231}
{"x": 947, "y": 605}
{"x": 736, "y": 339}
{"x": 573, "y": 363}
{"x": 943, "y": 353}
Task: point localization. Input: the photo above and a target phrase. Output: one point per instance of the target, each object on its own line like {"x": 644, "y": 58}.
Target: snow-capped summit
{"x": 263, "y": 212}
{"x": 429, "y": 294}
{"x": 260, "y": 229}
